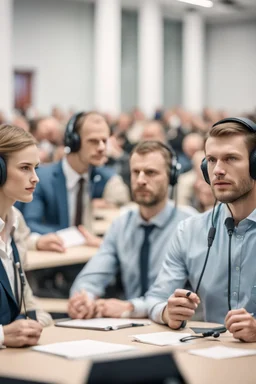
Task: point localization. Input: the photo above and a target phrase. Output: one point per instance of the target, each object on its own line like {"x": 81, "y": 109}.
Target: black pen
{"x": 137, "y": 325}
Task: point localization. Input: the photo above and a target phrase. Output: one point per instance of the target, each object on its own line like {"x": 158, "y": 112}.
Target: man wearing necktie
{"x": 135, "y": 244}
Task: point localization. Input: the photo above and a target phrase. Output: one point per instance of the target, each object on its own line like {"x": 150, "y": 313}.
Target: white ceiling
{"x": 240, "y": 10}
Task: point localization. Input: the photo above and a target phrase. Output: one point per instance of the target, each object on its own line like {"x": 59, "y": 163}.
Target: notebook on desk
{"x": 102, "y": 324}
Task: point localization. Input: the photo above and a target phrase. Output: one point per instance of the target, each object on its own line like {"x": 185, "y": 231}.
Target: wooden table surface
{"x": 25, "y": 363}
{"x": 45, "y": 259}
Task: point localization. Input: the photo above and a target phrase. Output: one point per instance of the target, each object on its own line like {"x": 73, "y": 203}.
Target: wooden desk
{"x": 106, "y": 217}
{"x": 53, "y": 305}
{"x": 44, "y": 259}
{"x": 74, "y": 255}
{"x": 24, "y": 363}
{"x": 106, "y": 214}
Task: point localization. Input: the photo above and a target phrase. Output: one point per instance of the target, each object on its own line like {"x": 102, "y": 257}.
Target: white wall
{"x": 55, "y": 39}
{"x": 231, "y": 66}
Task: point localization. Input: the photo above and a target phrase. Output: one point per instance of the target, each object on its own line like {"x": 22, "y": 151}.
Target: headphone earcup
{"x": 204, "y": 170}
{"x": 252, "y": 164}
{"x": 3, "y": 171}
{"x": 75, "y": 142}
{"x": 173, "y": 175}
{"x": 72, "y": 138}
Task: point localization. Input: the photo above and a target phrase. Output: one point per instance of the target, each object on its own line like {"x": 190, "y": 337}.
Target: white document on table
{"x": 71, "y": 237}
{"x": 221, "y": 352}
{"x": 82, "y": 348}
{"x": 102, "y": 324}
{"x": 161, "y": 338}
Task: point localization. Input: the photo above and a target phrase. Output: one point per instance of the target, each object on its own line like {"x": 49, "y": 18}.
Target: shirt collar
{"x": 160, "y": 219}
{"x": 251, "y": 217}
{"x": 11, "y": 222}
{"x": 72, "y": 177}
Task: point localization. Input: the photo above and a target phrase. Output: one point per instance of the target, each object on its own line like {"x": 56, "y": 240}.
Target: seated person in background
{"x": 48, "y": 133}
{"x": 135, "y": 243}
{"x": 154, "y": 130}
{"x": 18, "y": 178}
{"x": 203, "y": 196}
{"x": 63, "y": 197}
{"x": 224, "y": 281}
{"x": 192, "y": 143}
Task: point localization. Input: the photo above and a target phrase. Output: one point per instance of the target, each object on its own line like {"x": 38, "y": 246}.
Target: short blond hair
{"x": 234, "y": 129}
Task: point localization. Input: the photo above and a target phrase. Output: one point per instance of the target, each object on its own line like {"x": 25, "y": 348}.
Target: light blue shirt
{"x": 185, "y": 259}
{"x": 121, "y": 249}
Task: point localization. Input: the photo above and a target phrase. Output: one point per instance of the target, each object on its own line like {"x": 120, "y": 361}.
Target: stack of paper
{"x": 71, "y": 237}
{"x": 82, "y": 348}
{"x": 161, "y": 338}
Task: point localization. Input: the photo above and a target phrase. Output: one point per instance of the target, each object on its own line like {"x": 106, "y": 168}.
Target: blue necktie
{"x": 144, "y": 256}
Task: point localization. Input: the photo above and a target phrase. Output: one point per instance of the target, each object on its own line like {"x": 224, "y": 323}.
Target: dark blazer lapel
{"x": 60, "y": 190}
{"x": 6, "y": 284}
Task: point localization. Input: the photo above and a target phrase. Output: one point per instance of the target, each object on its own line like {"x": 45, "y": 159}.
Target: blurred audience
{"x": 48, "y": 133}
{"x": 154, "y": 130}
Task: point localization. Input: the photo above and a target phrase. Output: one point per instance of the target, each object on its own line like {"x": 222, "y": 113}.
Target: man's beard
{"x": 233, "y": 196}
{"x": 149, "y": 201}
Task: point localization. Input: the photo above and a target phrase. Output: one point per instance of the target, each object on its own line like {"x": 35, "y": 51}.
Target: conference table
{"x": 74, "y": 255}
{"x": 47, "y": 259}
{"x": 29, "y": 364}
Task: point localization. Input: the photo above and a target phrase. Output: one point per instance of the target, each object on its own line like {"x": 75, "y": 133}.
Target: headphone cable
{"x": 230, "y": 225}
{"x": 210, "y": 237}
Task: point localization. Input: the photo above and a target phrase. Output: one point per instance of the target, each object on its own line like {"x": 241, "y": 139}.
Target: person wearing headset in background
{"x": 63, "y": 197}
{"x": 55, "y": 204}
{"x": 136, "y": 241}
{"x": 18, "y": 160}
{"x": 223, "y": 278}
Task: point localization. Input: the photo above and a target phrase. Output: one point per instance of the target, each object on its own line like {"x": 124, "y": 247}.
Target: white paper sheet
{"x": 71, "y": 237}
{"x": 161, "y": 338}
{"x": 105, "y": 324}
{"x": 82, "y": 348}
{"x": 221, "y": 352}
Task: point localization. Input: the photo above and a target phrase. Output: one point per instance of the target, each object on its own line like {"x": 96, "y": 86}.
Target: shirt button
{"x": 234, "y": 293}
{"x": 237, "y": 269}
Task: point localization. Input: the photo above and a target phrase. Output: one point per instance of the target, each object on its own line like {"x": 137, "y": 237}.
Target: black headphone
{"x": 250, "y": 126}
{"x": 175, "y": 165}
{"x": 3, "y": 171}
{"x": 72, "y": 138}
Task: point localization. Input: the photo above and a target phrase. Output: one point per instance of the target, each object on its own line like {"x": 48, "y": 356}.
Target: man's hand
{"x": 50, "y": 242}
{"x": 91, "y": 240}
{"x": 21, "y": 333}
{"x": 113, "y": 308}
{"x": 80, "y": 306}
{"x": 241, "y": 324}
{"x": 181, "y": 306}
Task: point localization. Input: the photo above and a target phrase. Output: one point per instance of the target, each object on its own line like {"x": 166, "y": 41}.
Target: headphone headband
{"x": 249, "y": 124}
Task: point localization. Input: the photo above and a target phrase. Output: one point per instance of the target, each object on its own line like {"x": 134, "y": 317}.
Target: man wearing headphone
{"x": 223, "y": 276}
{"x": 136, "y": 242}
{"x": 55, "y": 205}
